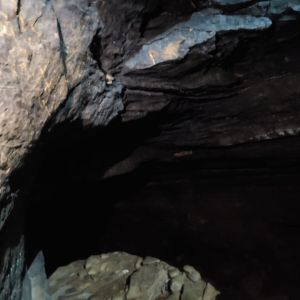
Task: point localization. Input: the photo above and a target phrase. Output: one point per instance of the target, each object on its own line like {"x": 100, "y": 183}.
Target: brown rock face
{"x": 199, "y": 83}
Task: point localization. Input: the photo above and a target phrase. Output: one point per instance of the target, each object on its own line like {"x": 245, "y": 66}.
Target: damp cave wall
{"x": 216, "y": 82}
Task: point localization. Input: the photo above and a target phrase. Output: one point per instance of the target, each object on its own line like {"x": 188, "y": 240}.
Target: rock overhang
{"x": 202, "y": 26}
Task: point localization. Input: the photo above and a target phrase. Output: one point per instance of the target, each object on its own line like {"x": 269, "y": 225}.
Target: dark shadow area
{"x": 240, "y": 226}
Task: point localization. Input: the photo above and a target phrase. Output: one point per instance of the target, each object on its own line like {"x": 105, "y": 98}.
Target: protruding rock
{"x": 150, "y": 260}
{"x": 148, "y": 283}
{"x": 173, "y": 272}
{"x": 176, "y": 285}
{"x": 210, "y": 292}
{"x": 200, "y": 28}
{"x": 192, "y": 274}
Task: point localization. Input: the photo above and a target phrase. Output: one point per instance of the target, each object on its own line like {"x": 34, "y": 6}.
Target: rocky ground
{"x": 120, "y": 276}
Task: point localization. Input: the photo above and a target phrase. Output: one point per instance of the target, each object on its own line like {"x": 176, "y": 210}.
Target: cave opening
{"x": 234, "y": 219}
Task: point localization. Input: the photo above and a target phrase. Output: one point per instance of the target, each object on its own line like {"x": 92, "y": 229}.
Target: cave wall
{"x": 46, "y": 67}
{"x": 210, "y": 78}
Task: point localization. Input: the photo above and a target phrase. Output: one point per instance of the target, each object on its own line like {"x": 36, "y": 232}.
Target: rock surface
{"x": 200, "y": 28}
{"x": 226, "y": 76}
{"x": 46, "y": 66}
{"x": 121, "y": 276}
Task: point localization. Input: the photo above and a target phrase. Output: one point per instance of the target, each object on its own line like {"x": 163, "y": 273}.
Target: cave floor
{"x": 240, "y": 229}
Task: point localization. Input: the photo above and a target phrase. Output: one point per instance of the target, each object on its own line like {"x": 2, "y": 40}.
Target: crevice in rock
{"x": 19, "y": 6}
{"x": 63, "y": 48}
{"x": 96, "y": 49}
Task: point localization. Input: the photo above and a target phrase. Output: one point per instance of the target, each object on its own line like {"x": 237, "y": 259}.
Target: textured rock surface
{"x": 35, "y": 283}
{"x": 227, "y": 77}
{"x": 120, "y": 276}
{"x": 45, "y": 65}
{"x": 199, "y": 29}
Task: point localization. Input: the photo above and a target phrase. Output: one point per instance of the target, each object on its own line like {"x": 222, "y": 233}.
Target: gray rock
{"x": 273, "y": 8}
{"x": 173, "y": 272}
{"x": 192, "y": 274}
{"x": 210, "y": 292}
{"x": 201, "y": 27}
{"x": 35, "y": 283}
{"x": 148, "y": 283}
{"x": 175, "y": 296}
{"x": 230, "y": 2}
{"x": 193, "y": 291}
{"x": 150, "y": 260}
{"x": 114, "y": 276}
{"x": 176, "y": 284}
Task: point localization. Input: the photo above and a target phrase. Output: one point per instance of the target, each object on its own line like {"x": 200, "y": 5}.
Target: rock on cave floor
{"x": 239, "y": 229}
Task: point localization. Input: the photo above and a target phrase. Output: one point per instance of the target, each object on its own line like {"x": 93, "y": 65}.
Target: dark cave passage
{"x": 239, "y": 226}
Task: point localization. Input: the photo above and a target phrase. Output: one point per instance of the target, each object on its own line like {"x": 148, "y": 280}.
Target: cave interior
{"x": 232, "y": 216}
{"x": 188, "y": 182}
